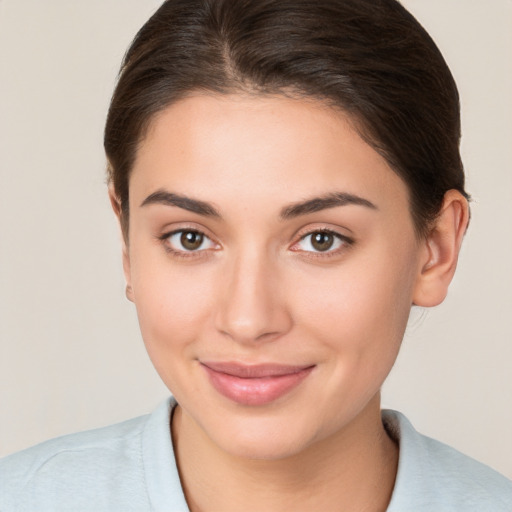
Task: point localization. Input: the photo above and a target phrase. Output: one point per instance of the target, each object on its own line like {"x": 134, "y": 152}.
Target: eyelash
{"x": 345, "y": 242}
{"x": 165, "y": 239}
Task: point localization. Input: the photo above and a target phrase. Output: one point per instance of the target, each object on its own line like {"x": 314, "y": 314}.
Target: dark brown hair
{"x": 370, "y": 58}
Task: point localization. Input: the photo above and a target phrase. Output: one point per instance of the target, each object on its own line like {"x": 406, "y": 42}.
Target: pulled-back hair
{"x": 369, "y": 58}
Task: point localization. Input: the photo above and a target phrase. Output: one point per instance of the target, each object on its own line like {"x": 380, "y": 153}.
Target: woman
{"x": 288, "y": 184}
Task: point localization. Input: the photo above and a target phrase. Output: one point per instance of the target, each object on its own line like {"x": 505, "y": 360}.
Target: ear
{"x": 442, "y": 247}
{"x": 116, "y": 206}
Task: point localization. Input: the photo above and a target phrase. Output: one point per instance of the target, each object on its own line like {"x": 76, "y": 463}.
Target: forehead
{"x": 249, "y": 146}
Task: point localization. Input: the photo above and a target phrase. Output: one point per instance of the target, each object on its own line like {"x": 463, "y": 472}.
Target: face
{"x": 272, "y": 260}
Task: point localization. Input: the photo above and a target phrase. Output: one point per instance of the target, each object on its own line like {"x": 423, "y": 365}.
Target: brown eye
{"x": 322, "y": 241}
{"x": 188, "y": 241}
{"x": 191, "y": 240}
{"x": 325, "y": 241}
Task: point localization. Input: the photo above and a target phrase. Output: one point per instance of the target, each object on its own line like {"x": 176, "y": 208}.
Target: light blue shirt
{"x": 131, "y": 467}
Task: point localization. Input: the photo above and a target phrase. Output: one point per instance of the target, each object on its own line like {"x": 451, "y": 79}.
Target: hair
{"x": 369, "y": 58}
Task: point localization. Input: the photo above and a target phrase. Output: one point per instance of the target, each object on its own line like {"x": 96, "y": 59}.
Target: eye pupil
{"x": 191, "y": 240}
{"x": 322, "y": 241}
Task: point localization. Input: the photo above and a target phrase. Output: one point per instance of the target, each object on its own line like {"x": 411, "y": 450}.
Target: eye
{"x": 188, "y": 240}
{"x": 322, "y": 241}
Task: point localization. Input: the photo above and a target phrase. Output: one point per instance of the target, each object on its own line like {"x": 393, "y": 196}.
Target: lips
{"x": 254, "y": 384}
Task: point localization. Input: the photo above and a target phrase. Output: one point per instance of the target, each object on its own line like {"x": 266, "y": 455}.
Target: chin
{"x": 264, "y": 447}
{"x": 263, "y": 438}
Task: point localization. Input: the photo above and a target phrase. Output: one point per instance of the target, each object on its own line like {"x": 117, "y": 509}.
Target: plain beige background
{"x": 71, "y": 356}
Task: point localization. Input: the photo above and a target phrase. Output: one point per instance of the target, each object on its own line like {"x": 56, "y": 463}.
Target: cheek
{"x": 356, "y": 318}
{"x": 359, "y": 310}
{"x": 173, "y": 306}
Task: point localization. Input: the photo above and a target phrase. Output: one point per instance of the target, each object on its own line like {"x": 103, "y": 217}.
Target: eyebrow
{"x": 317, "y": 204}
{"x": 184, "y": 202}
{"x": 312, "y": 205}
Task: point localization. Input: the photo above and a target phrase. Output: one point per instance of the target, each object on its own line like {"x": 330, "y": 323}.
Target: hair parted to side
{"x": 369, "y": 58}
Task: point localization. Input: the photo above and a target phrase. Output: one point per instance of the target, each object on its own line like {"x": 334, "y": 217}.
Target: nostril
{"x": 252, "y": 323}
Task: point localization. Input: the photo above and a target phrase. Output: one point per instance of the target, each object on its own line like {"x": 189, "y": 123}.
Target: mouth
{"x": 254, "y": 384}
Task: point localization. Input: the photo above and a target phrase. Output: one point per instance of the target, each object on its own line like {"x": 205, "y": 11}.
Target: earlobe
{"x": 442, "y": 247}
{"x": 114, "y": 202}
{"x": 129, "y": 293}
{"x": 116, "y": 207}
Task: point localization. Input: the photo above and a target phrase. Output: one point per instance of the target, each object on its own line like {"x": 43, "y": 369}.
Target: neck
{"x": 352, "y": 470}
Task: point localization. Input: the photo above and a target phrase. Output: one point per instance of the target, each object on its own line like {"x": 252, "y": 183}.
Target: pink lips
{"x": 254, "y": 384}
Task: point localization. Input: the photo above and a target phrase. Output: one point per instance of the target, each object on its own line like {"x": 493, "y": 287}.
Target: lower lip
{"x": 255, "y": 391}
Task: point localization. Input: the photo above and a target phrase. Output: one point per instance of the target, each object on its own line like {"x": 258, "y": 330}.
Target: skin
{"x": 257, "y": 291}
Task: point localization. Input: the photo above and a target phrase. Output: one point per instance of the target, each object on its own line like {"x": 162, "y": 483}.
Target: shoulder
{"x": 434, "y": 476}
{"x": 76, "y": 467}
{"x": 129, "y": 466}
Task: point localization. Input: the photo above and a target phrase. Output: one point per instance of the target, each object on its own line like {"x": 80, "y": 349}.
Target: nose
{"x": 252, "y": 307}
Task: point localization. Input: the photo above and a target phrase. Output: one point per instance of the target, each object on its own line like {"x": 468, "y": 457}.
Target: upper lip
{"x": 254, "y": 371}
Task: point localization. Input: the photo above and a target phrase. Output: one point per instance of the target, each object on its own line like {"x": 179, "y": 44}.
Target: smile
{"x": 254, "y": 384}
